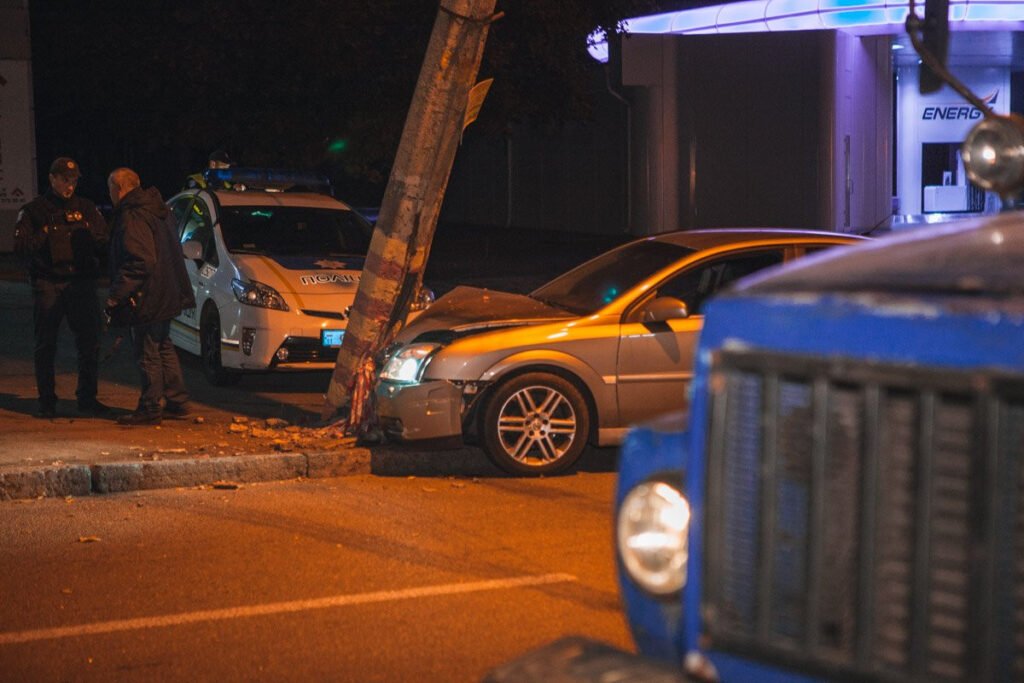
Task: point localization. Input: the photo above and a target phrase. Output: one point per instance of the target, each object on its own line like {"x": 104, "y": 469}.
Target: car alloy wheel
{"x": 536, "y": 423}
{"x": 209, "y": 335}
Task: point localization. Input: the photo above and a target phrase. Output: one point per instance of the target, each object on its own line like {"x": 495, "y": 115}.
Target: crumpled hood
{"x": 303, "y": 274}
{"x": 467, "y": 308}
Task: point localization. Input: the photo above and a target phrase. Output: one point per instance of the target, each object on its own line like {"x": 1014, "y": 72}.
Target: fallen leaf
{"x": 237, "y": 428}
{"x": 238, "y": 419}
{"x": 428, "y": 489}
{"x": 88, "y": 539}
{"x": 69, "y": 499}
{"x": 276, "y": 422}
{"x": 65, "y": 591}
{"x": 199, "y": 419}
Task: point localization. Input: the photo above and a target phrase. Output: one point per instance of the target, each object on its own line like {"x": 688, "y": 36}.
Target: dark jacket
{"x": 146, "y": 263}
{"x": 61, "y": 239}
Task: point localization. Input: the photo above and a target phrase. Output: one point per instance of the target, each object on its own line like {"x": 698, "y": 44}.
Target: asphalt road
{"x": 362, "y": 578}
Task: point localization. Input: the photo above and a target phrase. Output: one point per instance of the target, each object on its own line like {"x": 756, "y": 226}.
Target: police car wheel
{"x": 534, "y": 424}
{"x": 209, "y": 355}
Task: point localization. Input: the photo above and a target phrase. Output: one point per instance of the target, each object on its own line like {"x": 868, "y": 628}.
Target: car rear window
{"x": 294, "y": 230}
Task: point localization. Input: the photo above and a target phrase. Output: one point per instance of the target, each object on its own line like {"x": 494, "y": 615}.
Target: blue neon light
{"x": 758, "y": 16}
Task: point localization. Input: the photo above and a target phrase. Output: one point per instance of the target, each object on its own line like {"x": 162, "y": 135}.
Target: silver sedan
{"x": 534, "y": 378}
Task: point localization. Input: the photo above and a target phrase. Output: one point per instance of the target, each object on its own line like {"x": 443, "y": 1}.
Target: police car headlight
{"x": 258, "y": 294}
{"x": 993, "y": 154}
{"x": 651, "y": 530}
{"x": 407, "y": 365}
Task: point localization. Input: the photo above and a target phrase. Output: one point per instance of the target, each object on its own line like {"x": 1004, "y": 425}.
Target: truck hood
{"x": 303, "y": 274}
{"x": 470, "y": 309}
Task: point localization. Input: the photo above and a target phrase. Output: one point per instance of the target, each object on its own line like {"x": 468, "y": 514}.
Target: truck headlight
{"x": 407, "y": 366}
{"x": 258, "y": 294}
{"x": 651, "y": 531}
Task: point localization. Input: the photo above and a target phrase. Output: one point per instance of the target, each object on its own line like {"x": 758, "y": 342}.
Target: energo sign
{"x": 957, "y": 112}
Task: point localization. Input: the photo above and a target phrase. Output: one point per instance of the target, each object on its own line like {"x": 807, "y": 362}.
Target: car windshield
{"x": 600, "y": 280}
{"x": 294, "y": 230}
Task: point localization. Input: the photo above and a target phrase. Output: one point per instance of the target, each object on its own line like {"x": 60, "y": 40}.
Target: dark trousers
{"x": 52, "y": 302}
{"x": 159, "y": 369}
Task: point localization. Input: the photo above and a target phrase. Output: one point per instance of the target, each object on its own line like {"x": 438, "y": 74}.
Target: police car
{"x": 274, "y": 263}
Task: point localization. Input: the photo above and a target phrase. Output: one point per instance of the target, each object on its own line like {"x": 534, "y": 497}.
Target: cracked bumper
{"x": 415, "y": 412}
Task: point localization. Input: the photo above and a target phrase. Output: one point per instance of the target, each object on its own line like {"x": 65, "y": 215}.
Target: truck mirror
{"x": 993, "y": 154}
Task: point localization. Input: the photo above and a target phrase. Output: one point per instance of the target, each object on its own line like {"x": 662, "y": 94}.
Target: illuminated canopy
{"x": 852, "y": 16}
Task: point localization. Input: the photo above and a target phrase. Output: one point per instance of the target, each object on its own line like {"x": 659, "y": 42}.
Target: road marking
{"x": 15, "y": 637}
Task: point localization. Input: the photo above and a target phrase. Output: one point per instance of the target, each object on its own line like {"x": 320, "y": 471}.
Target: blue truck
{"x": 845, "y": 498}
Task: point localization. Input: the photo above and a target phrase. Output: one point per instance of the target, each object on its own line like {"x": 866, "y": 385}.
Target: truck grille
{"x": 866, "y": 521}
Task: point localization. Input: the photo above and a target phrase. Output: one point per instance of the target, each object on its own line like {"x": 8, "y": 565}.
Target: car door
{"x": 197, "y": 225}
{"x": 655, "y": 359}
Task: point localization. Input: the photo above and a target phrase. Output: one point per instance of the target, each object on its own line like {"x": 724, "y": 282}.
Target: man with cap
{"x": 218, "y": 159}
{"x": 60, "y": 237}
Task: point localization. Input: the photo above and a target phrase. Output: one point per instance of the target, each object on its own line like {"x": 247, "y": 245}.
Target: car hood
{"x": 303, "y": 274}
{"x": 470, "y": 309}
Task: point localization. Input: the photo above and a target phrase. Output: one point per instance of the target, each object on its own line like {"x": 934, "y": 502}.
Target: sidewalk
{"x": 264, "y": 429}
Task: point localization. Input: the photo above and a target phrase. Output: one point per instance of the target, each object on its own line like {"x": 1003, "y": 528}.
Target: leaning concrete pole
{"x": 412, "y": 201}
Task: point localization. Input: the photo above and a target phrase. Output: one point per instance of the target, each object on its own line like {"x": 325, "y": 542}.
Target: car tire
{"x": 209, "y": 353}
{"x": 535, "y": 424}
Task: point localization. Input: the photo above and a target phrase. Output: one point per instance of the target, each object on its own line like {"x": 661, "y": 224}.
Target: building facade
{"x": 17, "y": 134}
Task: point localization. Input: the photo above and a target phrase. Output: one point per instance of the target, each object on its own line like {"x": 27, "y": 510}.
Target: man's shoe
{"x": 93, "y": 407}
{"x": 47, "y": 411}
{"x": 179, "y": 410}
{"x": 138, "y": 418}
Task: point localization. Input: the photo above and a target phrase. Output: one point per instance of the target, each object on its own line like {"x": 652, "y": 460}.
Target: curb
{"x": 59, "y": 481}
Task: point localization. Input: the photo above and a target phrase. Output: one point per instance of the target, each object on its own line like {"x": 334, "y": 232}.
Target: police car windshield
{"x": 294, "y": 230}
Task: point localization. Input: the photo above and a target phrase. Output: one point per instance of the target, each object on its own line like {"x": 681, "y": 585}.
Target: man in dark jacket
{"x": 60, "y": 236}
{"x": 148, "y": 287}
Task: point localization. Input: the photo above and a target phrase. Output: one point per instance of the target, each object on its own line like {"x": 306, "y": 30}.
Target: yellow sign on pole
{"x": 476, "y": 100}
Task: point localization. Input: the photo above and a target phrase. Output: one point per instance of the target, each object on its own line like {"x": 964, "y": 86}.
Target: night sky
{"x": 320, "y": 85}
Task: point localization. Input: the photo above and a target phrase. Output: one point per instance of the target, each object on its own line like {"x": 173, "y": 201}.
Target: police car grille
{"x": 307, "y": 350}
{"x": 330, "y": 315}
{"x": 866, "y": 521}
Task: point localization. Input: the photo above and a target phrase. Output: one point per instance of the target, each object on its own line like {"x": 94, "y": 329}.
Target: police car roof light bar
{"x": 267, "y": 179}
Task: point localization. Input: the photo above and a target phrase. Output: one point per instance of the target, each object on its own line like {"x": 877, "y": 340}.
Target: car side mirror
{"x": 191, "y": 249}
{"x": 664, "y": 308}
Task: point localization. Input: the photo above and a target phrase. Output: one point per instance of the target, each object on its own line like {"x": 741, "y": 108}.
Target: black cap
{"x": 66, "y": 167}
{"x": 220, "y": 156}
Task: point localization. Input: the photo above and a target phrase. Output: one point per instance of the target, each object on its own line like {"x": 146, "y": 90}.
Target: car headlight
{"x": 407, "y": 366}
{"x": 258, "y": 294}
{"x": 651, "y": 530}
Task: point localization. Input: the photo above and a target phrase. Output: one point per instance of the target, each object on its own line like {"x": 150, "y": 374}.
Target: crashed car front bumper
{"x": 416, "y": 412}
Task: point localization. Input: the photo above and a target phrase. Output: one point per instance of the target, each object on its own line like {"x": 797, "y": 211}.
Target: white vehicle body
{"x": 261, "y": 309}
